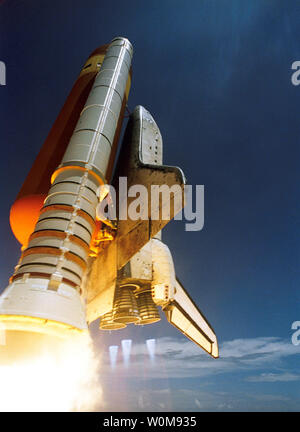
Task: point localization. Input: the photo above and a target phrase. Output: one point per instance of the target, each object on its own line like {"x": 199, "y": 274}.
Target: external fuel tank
{"x": 25, "y": 210}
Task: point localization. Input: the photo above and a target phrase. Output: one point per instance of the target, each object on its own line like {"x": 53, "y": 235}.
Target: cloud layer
{"x": 184, "y": 378}
{"x": 180, "y": 358}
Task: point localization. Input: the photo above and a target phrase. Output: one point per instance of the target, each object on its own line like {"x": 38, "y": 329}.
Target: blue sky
{"x": 216, "y": 76}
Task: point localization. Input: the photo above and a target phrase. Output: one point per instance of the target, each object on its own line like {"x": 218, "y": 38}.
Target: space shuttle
{"x": 77, "y": 263}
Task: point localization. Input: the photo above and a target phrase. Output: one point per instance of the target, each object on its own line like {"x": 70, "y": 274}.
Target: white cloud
{"x": 272, "y": 377}
{"x": 184, "y": 400}
{"x": 135, "y": 387}
{"x": 270, "y": 397}
{"x": 180, "y": 358}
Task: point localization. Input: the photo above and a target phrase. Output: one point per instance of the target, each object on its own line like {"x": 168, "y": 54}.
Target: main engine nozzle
{"x": 148, "y": 310}
{"x": 126, "y": 310}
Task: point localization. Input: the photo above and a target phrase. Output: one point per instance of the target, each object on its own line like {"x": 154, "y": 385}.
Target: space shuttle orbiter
{"x": 78, "y": 264}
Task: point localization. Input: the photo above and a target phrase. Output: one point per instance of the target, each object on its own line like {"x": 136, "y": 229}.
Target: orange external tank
{"x": 24, "y": 212}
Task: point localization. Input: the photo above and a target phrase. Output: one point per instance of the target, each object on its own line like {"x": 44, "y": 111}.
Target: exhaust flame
{"x": 151, "y": 349}
{"x": 113, "y": 354}
{"x": 49, "y": 374}
{"x": 126, "y": 350}
{"x": 2, "y": 336}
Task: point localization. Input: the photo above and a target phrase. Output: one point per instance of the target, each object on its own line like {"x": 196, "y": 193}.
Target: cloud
{"x": 185, "y": 400}
{"x": 180, "y": 358}
{"x": 272, "y": 377}
{"x": 149, "y": 386}
{"x": 270, "y": 397}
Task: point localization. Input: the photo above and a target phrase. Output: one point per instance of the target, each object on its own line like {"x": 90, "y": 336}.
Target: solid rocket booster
{"x": 46, "y": 285}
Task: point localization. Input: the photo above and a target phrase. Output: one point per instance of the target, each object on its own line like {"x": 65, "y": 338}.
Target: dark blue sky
{"x": 216, "y": 76}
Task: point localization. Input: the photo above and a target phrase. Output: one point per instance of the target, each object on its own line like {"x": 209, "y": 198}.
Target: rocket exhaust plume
{"x": 113, "y": 354}
{"x": 42, "y": 373}
{"x": 126, "y": 350}
{"x": 151, "y": 348}
{"x": 2, "y": 335}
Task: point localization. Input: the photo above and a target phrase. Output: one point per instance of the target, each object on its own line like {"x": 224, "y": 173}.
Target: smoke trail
{"x": 51, "y": 376}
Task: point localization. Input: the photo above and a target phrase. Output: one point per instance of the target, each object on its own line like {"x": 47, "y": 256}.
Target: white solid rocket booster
{"x": 46, "y": 286}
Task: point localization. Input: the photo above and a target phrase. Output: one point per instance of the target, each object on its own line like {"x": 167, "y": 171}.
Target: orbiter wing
{"x": 183, "y": 314}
